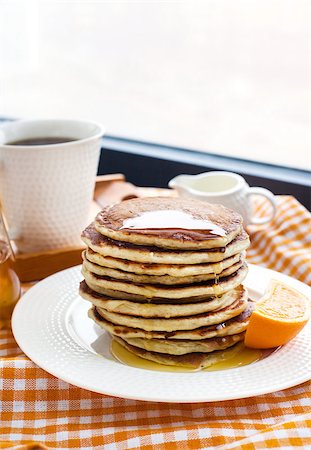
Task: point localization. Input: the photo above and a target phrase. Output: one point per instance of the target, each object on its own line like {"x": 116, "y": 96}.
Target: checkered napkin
{"x": 39, "y": 411}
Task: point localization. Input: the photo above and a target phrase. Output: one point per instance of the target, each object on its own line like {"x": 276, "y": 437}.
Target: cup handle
{"x": 270, "y": 197}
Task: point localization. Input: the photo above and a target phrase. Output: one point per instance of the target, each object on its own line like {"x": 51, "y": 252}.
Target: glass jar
{"x": 9, "y": 283}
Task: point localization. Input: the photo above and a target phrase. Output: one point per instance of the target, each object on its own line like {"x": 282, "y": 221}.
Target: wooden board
{"x": 36, "y": 266}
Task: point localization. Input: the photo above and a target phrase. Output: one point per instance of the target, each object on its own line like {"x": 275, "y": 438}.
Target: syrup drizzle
{"x": 170, "y": 220}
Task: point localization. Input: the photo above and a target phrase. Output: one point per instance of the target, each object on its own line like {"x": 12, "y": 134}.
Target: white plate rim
{"x": 300, "y": 347}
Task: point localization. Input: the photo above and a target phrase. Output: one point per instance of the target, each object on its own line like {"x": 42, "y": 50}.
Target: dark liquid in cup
{"x": 42, "y": 141}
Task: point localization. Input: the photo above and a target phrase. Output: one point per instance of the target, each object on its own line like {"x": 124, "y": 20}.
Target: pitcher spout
{"x": 180, "y": 182}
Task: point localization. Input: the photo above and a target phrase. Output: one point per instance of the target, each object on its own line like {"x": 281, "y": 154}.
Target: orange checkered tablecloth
{"x": 45, "y": 412}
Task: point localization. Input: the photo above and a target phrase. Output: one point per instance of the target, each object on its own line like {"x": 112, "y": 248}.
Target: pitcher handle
{"x": 270, "y": 197}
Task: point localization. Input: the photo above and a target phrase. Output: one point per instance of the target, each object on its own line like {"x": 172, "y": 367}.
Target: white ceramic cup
{"x": 46, "y": 190}
{"x": 226, "y": 188}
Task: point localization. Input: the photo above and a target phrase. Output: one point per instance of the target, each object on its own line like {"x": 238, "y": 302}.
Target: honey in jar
{"x": 9, "y": 284}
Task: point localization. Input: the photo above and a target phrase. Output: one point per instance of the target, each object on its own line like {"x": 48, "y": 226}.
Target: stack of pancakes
{"x": 165, "y": 277}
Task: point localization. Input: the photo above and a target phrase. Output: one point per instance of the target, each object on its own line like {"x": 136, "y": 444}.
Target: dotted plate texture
{"x": 51, "y": 326}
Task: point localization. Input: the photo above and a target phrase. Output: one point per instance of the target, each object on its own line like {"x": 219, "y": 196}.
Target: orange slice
{"x": 278, "y": 317}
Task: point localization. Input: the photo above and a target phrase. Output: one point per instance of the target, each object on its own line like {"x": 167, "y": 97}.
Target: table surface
{"x": 37, "y": 408}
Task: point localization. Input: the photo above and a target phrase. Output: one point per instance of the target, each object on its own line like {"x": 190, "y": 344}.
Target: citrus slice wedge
{"x": 278, "y": 316}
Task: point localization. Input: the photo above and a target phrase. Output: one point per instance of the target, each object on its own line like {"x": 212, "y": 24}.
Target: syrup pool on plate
{"x": 235, "y": 357}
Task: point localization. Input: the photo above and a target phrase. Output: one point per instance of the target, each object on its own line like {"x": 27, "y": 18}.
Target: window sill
{"x": 148, "y": 164}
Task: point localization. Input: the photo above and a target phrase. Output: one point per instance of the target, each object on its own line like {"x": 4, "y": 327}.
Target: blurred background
{"x": 231, "y": 77}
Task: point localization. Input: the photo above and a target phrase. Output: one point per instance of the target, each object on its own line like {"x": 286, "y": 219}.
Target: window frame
{"x": 151, "y": 164}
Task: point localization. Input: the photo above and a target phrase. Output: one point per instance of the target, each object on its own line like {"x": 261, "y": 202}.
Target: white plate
{"x": 51, "y": 326}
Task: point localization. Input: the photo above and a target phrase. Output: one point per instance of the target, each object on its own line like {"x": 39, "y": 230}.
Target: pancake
{"x": 206, "y": 288}
{"x": 164, "y": 278}
{"x": 236, "y": 325}
{"x": 182, "y": 347}
{"x": 174, "y": 270}
{"x": 175, "y": 223}
{"x": 118, "y": 295}
{"x": 156, "y": 310}
{"x": 152, "y": 254}
{"x": 176, "y": 323}
{"x": 154, "y": 279}
{"x": 190, "y": 360}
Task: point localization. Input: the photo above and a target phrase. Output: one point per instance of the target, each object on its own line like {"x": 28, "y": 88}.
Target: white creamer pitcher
{"x": 226, "y": 188}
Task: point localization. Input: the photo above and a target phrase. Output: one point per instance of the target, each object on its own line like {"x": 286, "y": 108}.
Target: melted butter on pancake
{"x": 173, "y": 221}
{"x": 169, "y": 223}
